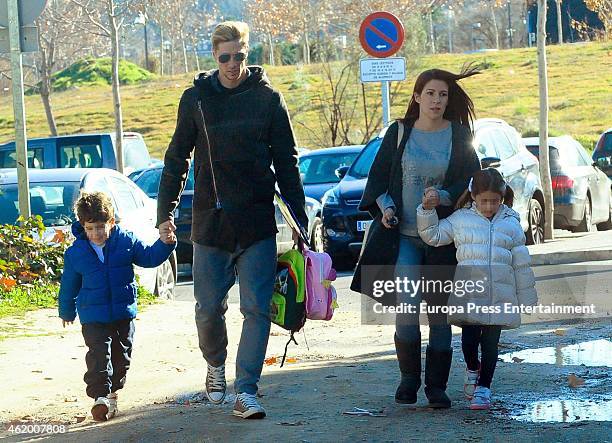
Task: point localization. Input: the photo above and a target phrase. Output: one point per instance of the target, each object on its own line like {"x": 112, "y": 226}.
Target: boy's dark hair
{"x": 94, "y": 207}
{"x": 489, "y": 179}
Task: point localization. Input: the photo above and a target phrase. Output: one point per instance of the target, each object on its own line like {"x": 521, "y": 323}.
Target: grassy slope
{"x": 580, "y": 90}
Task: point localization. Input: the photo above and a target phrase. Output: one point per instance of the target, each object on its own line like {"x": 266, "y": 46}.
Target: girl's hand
{"x": 431, "y": 198}
{"x": 64, "y": 323}
{"x": 389, "y": 220}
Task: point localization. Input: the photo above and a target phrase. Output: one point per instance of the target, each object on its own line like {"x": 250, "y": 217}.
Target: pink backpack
{"x": 320, "y": 294}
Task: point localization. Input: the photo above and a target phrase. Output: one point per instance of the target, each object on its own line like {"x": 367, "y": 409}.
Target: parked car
{"x": 602, "y": 153}
{"x": 52, "y": 196}
{"x": 323, "y": 168}
{"x": 497, "y": 145}
{"x": 81, "y": 151}
{"x": 581, "y": 190}
{"x": 148, "y": 180}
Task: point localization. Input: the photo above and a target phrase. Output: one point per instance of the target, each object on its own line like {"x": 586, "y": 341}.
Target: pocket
{"x": 277, "y": 309}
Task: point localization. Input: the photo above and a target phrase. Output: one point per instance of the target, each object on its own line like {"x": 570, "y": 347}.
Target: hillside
{"x": 580, "y": 89}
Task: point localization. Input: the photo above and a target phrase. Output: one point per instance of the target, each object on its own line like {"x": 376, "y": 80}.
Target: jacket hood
{"x": 78, "y": 231}
{"x": 208, "y": 81}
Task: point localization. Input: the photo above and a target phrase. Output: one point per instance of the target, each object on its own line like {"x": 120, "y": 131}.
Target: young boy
{"x": 98, "y": 283}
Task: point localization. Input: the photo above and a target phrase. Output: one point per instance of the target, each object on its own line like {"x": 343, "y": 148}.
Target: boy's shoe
{"x": 469, "y": 385}
{"x": 215, "y": 384}
{"x": 112, "y": 410}
{"x": 481, "y": 399}
{"x": 100, "y": 409}
{"x": 246, "y": 406}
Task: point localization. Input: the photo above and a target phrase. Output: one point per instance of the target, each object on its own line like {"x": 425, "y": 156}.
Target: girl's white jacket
{"x": 492, "y": 256}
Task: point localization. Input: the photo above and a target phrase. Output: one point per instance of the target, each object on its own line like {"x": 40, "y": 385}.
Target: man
{"x": 237, "y": 126}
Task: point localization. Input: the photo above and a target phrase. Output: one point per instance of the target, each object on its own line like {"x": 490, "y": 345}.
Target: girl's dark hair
{"x": 460, "y": 107}
{"x": 488, "y": 179}
{"x": 94, "y": 207}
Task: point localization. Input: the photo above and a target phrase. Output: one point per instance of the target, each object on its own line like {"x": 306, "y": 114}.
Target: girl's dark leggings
{"x": 488, "y": 338}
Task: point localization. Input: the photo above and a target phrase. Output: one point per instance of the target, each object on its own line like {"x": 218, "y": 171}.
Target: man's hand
{"x": 65, "y": 322}
{"x": 167, "y": 231}
{"x": 431, "y": 198}
{"x": 389, "y": 220}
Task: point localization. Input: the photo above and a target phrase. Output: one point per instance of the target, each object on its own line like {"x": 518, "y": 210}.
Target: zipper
{"x": 212, "y": 170}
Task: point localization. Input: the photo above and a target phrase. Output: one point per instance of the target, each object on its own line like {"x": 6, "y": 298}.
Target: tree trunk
{"x": 495, "y": 28}
{"x": 115, "y": 83}
{"x": 544, "y": 160}
{"x": 197, "y": 58}
{"x": 432, "y": 36}
{"x": 271, "y": 43}
{"x": 45, "y": 88}
{"x": 559, "y": 22}
{"x": 184, "y": 48}
{"x": 161, "y": 51}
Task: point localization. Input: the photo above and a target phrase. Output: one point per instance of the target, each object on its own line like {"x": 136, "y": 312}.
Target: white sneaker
{"x": 469, "y": 385}
{"x": 246, "y": 406}
{"x": 112, "y": 410}
{"x": 100, "y": 409}
{"x": 215, "y": 384}
{"x": 482, "y": 399}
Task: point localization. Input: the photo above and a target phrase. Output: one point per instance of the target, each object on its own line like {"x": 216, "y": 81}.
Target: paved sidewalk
{"x": 568, "y": 247}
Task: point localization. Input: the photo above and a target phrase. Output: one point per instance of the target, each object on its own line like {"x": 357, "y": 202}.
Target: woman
{"x": 433, "y": 157}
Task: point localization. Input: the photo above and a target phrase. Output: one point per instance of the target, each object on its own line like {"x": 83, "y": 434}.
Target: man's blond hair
{"x": 229, "y": 32}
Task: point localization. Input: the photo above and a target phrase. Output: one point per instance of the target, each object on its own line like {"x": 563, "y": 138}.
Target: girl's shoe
{"x": 469, "y": 386}
{"x": 481, "y": 399}
{"x": 112, "y": 409}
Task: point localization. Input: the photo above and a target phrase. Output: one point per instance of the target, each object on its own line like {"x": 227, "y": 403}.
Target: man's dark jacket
{"x": 249, "y": 131}
{"x": 379, "y": 255}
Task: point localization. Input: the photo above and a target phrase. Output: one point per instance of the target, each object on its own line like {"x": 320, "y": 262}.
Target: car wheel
{"x": 607, "y": 225}
{"x": 316, "y": 240}
{"x": 164, "y": 281}
{"x": 535, "y": 218}
{"x": 586, "y": 224}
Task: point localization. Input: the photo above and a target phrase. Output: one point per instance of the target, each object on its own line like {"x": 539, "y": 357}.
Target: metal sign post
{"x": 18, "y": 108}
{"x": 382, "y": 35}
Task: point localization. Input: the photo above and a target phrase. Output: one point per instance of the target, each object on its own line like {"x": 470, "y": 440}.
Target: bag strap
{"x": 291, "y": 339}
{"x": 217, "y": 201}
{"x": 400, "y": 133}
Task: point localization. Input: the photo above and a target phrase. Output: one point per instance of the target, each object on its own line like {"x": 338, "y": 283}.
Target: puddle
{"x": 565, "y": 411}
{"x": 589, "y": 353}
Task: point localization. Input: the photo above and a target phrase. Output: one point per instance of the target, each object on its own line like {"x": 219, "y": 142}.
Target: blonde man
{"x": 237, "y": 126}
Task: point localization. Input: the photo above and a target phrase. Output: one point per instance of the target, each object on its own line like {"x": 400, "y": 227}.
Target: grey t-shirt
{"x": 424, "y": 164}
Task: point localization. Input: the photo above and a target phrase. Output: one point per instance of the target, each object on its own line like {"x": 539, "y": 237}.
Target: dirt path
{"x": 348, "y": 365}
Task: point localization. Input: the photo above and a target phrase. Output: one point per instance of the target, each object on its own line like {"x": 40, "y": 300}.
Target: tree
{"x": 603, "y": 8}
{"x": 544, "y": 158}
{"x": 109, "y": 16}
{"x": 559, "y": 21}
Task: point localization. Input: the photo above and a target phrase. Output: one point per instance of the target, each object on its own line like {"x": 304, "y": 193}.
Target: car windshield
{"x": 363, "y": 163}
{"x": 149, "y": 180}
{"x": 553, "y": 154}
{"x": 321, "y": 168}
{"x": 52, "y": 201}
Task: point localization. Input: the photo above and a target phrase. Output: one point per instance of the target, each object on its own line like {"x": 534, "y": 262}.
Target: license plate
{"x": 363, "y": 225}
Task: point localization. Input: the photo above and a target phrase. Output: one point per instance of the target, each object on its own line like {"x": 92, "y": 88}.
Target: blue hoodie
{"x": 105, "y": 292}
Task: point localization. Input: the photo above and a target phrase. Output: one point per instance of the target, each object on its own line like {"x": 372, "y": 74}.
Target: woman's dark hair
{"x": 488, "y": 179}
{"x": 460, "y": 107}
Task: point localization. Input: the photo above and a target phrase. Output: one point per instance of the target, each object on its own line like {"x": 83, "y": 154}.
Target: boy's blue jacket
{"x": 105, "y": 292}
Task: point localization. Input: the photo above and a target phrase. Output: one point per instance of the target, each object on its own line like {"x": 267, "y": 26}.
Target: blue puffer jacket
{"x": 105, "y": 292}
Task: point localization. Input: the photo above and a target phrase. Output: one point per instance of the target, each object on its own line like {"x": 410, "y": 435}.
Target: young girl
{"x": 492, "y": 256}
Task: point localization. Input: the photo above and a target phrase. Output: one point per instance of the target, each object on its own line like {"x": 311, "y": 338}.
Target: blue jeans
{"x": 407, "y": 328}
{"x": 214, "y": 273}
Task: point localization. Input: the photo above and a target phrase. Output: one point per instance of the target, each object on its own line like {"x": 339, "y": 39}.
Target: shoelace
{"x": 216, "y": 378}
{"x": 248, "y": 400}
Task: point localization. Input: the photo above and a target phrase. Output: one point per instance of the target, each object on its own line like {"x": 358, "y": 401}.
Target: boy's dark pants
{"x": 109, "y": 355}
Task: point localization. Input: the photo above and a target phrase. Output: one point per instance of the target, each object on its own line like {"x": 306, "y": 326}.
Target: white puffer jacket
{"x": 492, "y": 252}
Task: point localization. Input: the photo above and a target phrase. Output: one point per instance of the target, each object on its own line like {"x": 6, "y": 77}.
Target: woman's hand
{"x": 431, "y": 198}
{"x": 389, "y": 220}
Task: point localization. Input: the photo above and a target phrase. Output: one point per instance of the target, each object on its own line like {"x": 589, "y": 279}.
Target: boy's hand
{"x": 431, "y": 198}
{"x": 65, "y": 322}
{"x": 167, "y": 231}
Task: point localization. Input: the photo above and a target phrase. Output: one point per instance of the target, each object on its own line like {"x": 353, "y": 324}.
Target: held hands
{"x": 431, "y": 198}
{"x": 389, "y": 220}
{"x": 167, "y": 231}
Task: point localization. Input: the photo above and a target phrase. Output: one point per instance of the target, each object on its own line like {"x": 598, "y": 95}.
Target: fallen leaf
{"x": 71, "y": 400}
{"x": 37, "y": 371}
{"x": 48, "y": 378}
{"x": 80, "y": 418}
{"x": 518, "y": 360}
{"x": 291, "y": 360}
{"x": 574, "y": 381}
{"x": 270, "y": 361}
{"x": 560, "y": 332}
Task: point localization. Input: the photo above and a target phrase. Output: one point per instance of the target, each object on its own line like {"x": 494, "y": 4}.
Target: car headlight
{"x": 330, "y": 198}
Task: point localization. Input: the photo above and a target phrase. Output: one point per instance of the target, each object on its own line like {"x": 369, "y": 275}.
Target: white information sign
{"x": 390, "y": 69}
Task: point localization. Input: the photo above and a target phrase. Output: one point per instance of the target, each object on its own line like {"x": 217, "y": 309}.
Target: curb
{"x": 559, "y": 258}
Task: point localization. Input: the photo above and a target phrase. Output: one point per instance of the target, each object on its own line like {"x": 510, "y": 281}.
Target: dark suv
{"x": 602, "y": 153}
{"x": 497, "y": 144}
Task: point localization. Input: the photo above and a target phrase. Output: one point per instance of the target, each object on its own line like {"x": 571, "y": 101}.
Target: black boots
{"x": 437, "y": 368}
{"x": 409, "y": 359}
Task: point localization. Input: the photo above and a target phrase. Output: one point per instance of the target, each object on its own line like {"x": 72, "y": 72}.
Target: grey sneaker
{"x": 246, "y": 406}
{"x": 100, "y": 409}
{"x": 112, "y": 410}
{"x": 469, "y": 385}
{"x": 482, "y": 399}
{"x": 215, "y": 384}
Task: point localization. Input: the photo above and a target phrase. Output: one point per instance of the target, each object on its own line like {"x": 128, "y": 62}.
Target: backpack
{"x": 288, "y": 307}
{"x": 321, "y": 298}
